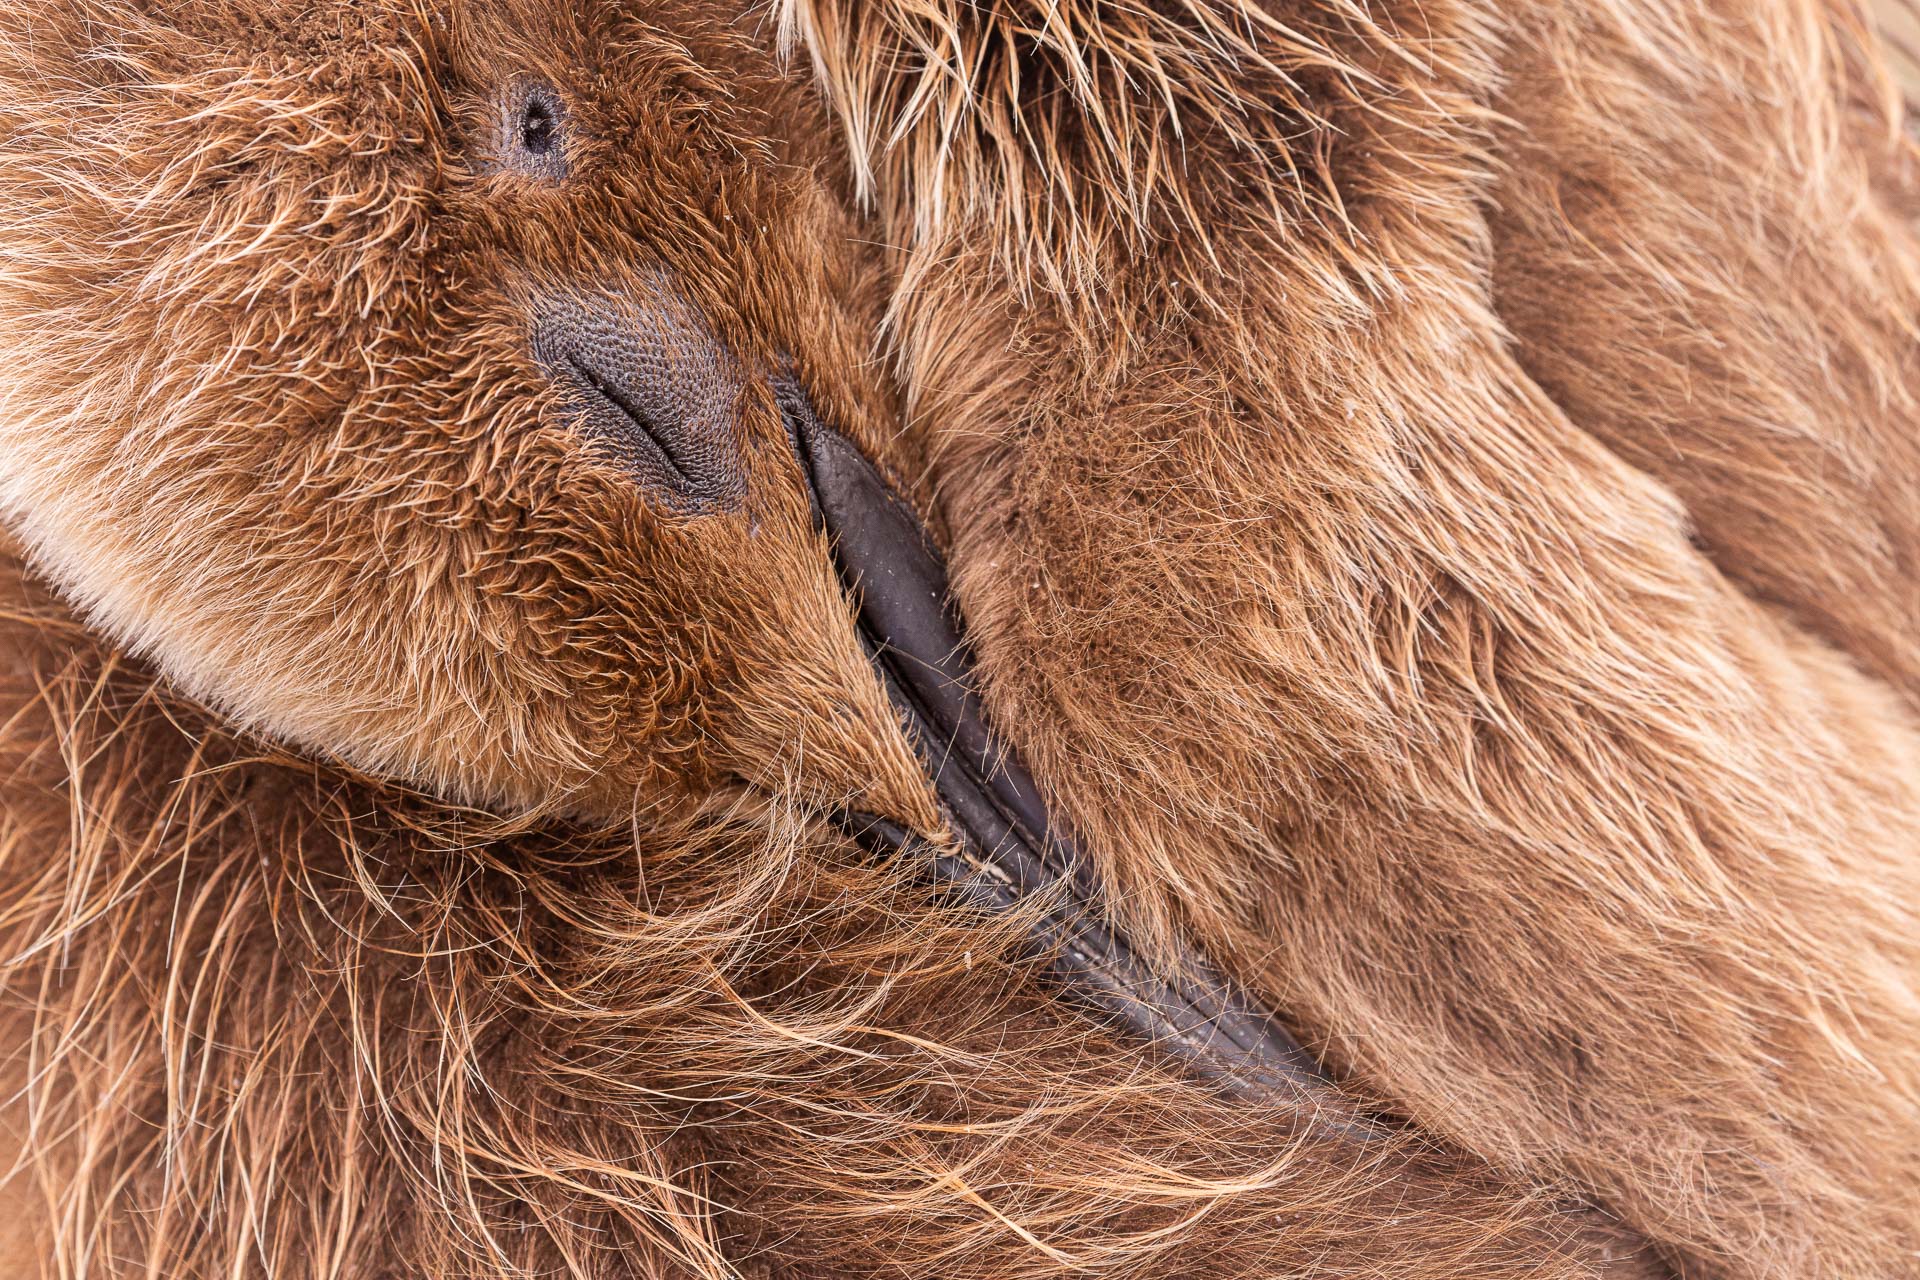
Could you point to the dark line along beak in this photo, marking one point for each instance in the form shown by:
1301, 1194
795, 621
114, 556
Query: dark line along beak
1007, 847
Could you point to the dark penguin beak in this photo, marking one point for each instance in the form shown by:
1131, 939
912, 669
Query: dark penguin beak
1005, 848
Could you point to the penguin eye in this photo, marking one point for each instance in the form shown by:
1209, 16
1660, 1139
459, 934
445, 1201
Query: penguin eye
533, 129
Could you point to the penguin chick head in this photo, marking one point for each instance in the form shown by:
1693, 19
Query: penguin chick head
401, 381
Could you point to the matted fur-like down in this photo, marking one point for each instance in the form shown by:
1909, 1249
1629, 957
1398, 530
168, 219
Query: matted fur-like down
1348, 426
1459, 554
286, 1021
275, 428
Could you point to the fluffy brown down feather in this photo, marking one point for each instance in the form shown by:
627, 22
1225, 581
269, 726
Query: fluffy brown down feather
1463, 565
1353, 431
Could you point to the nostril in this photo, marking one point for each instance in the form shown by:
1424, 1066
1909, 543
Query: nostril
538, 127
652, 385
531, 131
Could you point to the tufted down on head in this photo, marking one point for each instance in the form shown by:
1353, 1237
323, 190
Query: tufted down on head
320, 397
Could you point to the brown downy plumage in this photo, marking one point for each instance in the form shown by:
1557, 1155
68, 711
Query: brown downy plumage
1438, 489
409, 802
